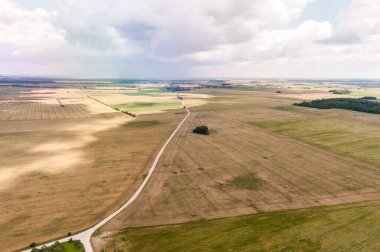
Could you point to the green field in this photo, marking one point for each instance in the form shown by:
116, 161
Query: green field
145, 92
131, 107
348, 138
73, 246
352, 227
361, 93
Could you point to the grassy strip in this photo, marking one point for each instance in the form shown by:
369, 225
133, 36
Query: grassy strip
317, 229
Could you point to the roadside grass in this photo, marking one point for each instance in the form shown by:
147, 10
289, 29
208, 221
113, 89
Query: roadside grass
354, 139
333, 228
70, 246
131, 107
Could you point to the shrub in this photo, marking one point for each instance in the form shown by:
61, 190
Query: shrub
32, 245
77, 243
201, 130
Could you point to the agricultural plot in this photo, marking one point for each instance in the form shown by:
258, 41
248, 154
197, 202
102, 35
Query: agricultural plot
146, 92
67, 172
345, 133
24, 110
353, 227
71, 160
147, 106
145, 103
51, 104
364, 92
241, 169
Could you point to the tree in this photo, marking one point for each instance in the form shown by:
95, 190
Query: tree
203, 130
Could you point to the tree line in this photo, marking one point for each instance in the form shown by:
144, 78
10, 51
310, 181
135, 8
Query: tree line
362, 105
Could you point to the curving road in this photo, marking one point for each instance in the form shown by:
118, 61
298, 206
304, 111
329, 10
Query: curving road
85, 236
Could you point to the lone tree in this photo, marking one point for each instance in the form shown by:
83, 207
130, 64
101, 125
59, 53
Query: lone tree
201, 130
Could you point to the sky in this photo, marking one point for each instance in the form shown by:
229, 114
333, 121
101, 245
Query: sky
178, 39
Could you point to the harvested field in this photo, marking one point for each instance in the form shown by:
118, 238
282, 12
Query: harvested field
52, 104
206, 176
259, 158
69, 161
241, 168
24, 110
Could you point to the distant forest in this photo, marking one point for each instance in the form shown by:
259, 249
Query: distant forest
362, 105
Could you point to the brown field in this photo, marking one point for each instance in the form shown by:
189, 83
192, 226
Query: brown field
243, 169
64, 168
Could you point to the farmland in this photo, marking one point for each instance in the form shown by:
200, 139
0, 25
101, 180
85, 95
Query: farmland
135, 107
351, 134
352, 227
256, 162
298, 175
66, 165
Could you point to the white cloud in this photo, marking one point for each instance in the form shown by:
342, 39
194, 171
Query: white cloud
28, 31
175, 38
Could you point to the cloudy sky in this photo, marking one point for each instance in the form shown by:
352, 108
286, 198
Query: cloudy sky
191, 39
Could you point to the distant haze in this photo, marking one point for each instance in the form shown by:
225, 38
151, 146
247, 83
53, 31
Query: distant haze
191, 39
